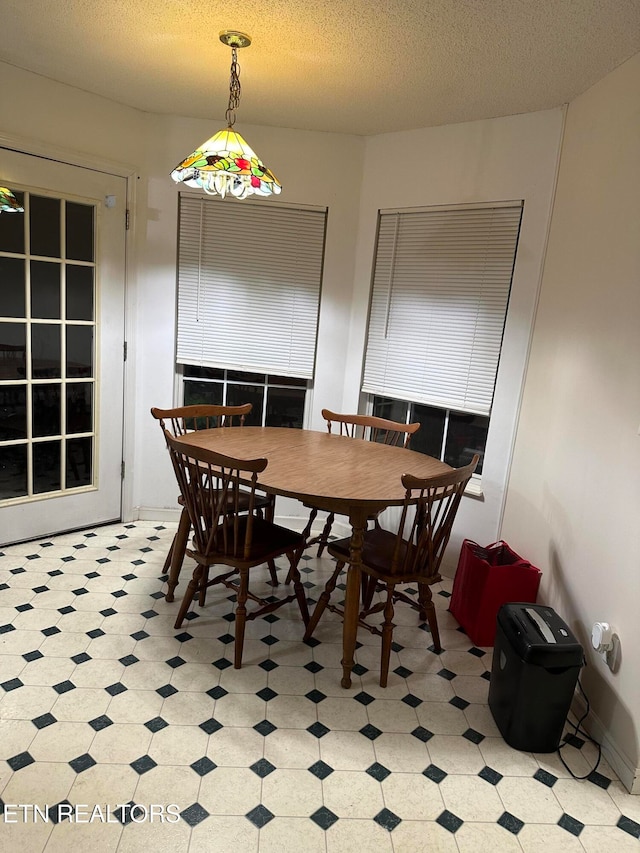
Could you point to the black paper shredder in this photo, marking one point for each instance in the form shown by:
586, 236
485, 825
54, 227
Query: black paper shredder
536, 663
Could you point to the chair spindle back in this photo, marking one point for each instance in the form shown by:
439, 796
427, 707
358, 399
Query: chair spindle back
190, 418
425, 526
220, 512
371, 428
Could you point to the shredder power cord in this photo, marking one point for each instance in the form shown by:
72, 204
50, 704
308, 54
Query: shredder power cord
578, 728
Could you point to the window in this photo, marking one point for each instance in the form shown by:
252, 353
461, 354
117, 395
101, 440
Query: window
441, 284
249, 278
277, 400
451, 436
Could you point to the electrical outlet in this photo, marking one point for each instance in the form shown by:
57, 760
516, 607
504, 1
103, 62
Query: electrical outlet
613, 655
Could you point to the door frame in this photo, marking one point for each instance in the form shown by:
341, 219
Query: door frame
24, 145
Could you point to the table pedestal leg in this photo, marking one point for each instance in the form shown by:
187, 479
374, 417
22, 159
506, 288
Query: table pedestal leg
352, 596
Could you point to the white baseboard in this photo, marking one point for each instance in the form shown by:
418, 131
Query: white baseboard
154, 513
294, 522
620, 762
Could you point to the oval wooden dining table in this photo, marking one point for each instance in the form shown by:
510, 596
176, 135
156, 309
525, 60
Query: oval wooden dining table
330, 472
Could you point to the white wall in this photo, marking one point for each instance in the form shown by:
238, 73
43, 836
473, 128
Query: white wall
500, 159
35, 108
573, 502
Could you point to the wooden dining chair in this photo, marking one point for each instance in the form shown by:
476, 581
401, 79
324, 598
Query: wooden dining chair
366, 427
228, 531
410, 555
188, 419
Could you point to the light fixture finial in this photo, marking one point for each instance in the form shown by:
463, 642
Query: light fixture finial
234, 38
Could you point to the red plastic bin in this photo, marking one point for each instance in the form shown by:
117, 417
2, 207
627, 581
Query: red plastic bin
487, 578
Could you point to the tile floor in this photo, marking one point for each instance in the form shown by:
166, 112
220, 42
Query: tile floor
103, 703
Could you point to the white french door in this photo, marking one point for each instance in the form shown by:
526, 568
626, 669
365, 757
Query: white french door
62, 281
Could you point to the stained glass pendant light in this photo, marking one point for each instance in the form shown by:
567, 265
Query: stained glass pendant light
8, 202
225, 163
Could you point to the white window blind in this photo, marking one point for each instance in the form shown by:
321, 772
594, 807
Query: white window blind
249, 286
438, 306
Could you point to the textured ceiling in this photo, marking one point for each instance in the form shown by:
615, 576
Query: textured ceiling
354, 66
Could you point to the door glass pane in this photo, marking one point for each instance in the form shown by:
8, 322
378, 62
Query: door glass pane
44, 226
46, 467
45, 351
202, 393
79, 231
13, 471
79, 292
12, 229
46, 409
467, 434
285, 407
79, 407
12, 291
428, 439
79, 351
237, 395
13, 342
45, 290
78, 468
13, 412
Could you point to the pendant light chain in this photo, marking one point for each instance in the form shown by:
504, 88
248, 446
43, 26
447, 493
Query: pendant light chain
234, 89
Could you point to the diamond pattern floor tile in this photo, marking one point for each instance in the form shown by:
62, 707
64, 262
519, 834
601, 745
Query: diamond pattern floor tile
103, 701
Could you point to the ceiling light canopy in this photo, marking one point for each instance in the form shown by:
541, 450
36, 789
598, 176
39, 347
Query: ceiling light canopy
8, 202
225, 163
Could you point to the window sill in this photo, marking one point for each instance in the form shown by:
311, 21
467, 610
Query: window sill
474, 489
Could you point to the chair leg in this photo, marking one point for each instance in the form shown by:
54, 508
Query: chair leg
428, 612
305, 536
273, 574
199, 574
299, 590
387, 636
167, 561
309, 524
323, 601
369, 585
202, 593
270, 510
241, 616
269, 514
324, 536
178, 547
297, 556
